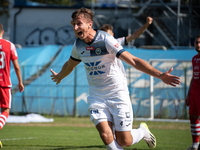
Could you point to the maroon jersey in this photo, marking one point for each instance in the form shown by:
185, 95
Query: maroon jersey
196, 74
7, 53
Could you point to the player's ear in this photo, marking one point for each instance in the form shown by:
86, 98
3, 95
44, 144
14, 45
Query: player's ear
90, 24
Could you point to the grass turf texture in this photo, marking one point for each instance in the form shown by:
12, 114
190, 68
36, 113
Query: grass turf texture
80, 134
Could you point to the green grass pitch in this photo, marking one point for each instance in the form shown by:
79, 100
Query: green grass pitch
80, 134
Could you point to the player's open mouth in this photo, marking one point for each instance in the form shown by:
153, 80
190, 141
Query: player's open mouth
80, 33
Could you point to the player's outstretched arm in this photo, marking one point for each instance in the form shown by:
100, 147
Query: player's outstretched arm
145, 67
67, 68
139, 31
18, 73
169, 79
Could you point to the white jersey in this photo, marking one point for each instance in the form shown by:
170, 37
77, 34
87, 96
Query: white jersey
105, 71
121, 41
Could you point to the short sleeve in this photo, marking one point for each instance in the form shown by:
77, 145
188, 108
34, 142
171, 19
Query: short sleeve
14, 55
113, 46
74, 54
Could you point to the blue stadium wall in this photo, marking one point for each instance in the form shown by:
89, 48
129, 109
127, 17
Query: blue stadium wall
43, 96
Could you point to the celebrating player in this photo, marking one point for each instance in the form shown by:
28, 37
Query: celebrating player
7, 53
109, 102
124, 40
193, 100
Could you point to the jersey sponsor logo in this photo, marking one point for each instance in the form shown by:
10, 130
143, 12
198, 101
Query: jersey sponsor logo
196, 67
0, 46
196, 60
94, 111
94, 68
117, 45
90, 48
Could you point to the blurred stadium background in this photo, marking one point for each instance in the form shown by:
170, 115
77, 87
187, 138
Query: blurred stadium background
43, 36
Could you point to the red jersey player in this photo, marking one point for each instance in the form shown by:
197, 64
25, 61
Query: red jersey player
193, 97
8, 53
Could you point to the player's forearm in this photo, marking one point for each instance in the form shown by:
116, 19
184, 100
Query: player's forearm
17, 70
140, 64
18, 73
147, 68
190, 87
65, 71
141, 30
137, 33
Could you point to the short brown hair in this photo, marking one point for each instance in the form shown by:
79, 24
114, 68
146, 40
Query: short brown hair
88, 14
1, 27
106, 27
198, 36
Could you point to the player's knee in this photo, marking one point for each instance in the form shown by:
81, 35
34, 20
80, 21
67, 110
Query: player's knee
124, 142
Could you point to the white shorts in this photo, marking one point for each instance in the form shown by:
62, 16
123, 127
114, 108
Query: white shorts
118, 111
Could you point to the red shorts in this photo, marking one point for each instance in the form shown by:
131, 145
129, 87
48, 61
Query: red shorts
194, 104
5, 97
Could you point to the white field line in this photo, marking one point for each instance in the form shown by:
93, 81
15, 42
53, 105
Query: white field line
18, 139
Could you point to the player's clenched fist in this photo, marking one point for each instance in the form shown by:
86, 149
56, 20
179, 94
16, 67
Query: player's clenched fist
149, 20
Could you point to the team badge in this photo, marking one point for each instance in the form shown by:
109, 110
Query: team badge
127, 114
98, 51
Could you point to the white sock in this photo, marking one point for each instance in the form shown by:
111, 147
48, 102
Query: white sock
114, 146
195, 145
137, 135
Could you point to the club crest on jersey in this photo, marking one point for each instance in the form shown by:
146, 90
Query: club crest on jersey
127, 114
90, 48
98, 51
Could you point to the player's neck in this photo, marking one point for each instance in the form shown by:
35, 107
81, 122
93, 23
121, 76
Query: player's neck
90, 36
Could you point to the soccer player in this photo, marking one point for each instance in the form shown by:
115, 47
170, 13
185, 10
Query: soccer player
193, 98
124, 40
109, 102
7, 53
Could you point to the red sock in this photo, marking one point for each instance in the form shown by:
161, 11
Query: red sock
3, 118
195, 129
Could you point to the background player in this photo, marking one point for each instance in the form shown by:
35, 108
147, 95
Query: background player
124, 40
7, 53
109, 101
193, 97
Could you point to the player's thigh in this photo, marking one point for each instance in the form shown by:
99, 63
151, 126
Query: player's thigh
6, 97
122, 113
197, 102
98, 110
